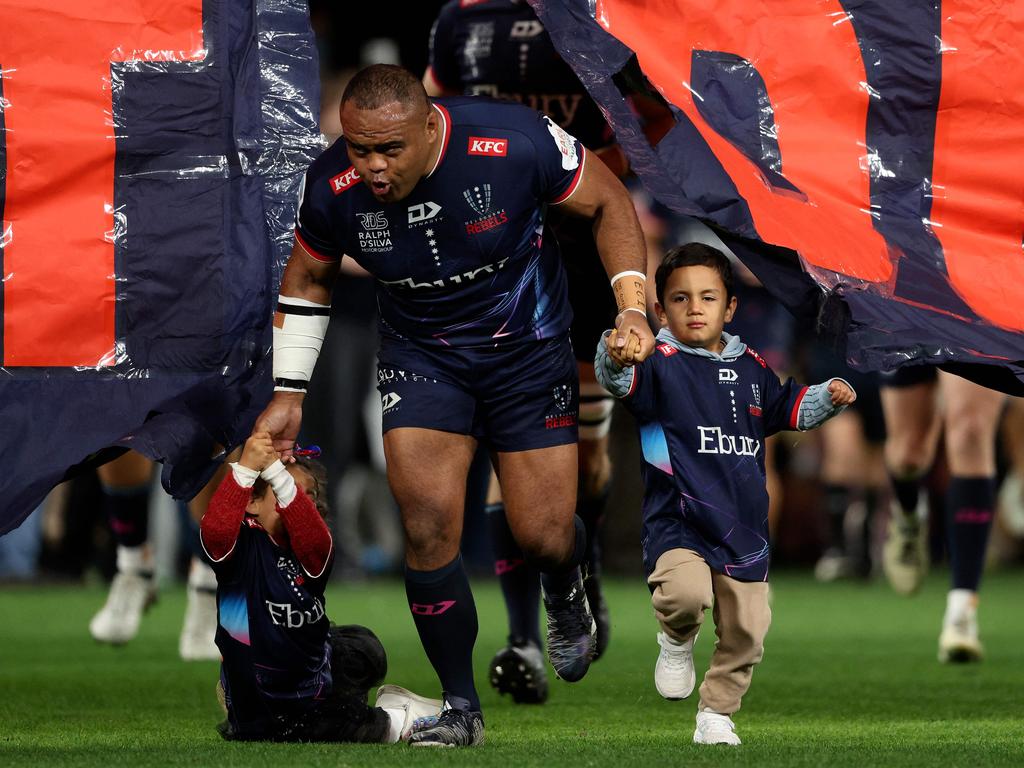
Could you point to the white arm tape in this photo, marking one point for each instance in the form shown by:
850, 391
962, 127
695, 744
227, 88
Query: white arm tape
281, 483
628, 273
298, 341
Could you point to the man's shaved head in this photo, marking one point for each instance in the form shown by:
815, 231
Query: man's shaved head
378, 85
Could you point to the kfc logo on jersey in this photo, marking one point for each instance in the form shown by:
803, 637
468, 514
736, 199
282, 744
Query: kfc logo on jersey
489, 147
727, 375
667, 350
525, 29
344, 180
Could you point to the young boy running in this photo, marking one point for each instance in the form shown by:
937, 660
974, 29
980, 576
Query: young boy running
704, 403
287, 673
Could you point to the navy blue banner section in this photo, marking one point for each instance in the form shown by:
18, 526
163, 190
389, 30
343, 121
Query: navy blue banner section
830, 146
209, 147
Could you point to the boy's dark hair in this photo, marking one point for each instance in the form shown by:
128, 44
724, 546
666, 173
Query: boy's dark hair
381, 84
693, 255
317, 493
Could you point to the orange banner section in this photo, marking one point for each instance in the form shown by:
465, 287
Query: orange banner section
58, 248
978, 180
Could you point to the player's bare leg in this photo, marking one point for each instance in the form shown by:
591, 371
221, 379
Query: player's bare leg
540, 499
970, 418
427, 472
912, 426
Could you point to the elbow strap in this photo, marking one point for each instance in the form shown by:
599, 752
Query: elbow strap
298, 341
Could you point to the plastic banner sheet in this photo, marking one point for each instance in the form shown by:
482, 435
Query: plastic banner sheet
862, 157
150, 154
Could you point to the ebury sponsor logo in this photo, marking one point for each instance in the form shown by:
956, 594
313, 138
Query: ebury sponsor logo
479, 145
287, 615
714, 440
344, 180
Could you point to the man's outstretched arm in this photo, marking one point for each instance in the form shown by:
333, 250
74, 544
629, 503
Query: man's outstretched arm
300, 324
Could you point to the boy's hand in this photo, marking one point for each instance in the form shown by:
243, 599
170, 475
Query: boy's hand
623, 348
258, 453
841, 393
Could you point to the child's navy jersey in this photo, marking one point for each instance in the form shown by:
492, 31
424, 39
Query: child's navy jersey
702, 420
271, 630
461, 261
498, 48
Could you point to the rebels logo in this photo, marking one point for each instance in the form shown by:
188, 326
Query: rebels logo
344, 180
491, 147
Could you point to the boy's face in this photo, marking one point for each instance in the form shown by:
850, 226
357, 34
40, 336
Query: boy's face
696, 308
264, 508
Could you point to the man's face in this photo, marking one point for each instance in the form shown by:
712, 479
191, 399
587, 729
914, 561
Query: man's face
696, 308
390, 147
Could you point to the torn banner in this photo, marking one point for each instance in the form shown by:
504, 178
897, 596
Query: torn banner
862, 157
150, 154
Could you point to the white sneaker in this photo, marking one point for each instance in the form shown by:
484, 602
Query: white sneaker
118, 620
959, 639
200, 627
674, 676
405, 708
713, 728
905, 553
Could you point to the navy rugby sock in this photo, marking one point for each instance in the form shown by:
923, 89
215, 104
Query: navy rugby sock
907, 491
970, 505
128, 512
445, 615
519, 580
837, 501
590, 510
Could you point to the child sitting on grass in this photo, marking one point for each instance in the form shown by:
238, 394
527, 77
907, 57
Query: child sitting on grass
287, 674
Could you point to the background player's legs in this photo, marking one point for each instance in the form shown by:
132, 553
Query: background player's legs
595, 474
540, 496
518, 668
427, 473
680, 594
970, 417
199, 628
912, 433
125, 482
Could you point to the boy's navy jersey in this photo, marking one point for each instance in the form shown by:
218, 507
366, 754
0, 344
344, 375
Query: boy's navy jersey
702, 422
461, 261
498, 48
271, 631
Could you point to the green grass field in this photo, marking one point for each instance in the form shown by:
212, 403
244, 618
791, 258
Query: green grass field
849, 678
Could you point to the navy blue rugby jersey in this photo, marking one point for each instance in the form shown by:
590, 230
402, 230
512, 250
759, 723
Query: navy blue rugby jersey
499, 48
271, 629
703, 419
462, 260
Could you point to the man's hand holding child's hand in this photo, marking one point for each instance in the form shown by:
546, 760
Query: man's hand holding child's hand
258, 453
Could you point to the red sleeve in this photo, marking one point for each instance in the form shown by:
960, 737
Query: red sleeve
218, 530
310, 540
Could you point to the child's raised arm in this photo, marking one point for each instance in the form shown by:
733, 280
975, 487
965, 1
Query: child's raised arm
310, 539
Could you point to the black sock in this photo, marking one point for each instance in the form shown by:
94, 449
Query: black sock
519, 580
561, 581
445, 615
907, 491
128, 512
590, 510
970, 505
837, 501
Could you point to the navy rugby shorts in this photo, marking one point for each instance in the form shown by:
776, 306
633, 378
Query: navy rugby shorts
514, 398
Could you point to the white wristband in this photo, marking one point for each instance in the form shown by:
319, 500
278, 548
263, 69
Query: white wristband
633, 309
628, 273
244, 476
298, 341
